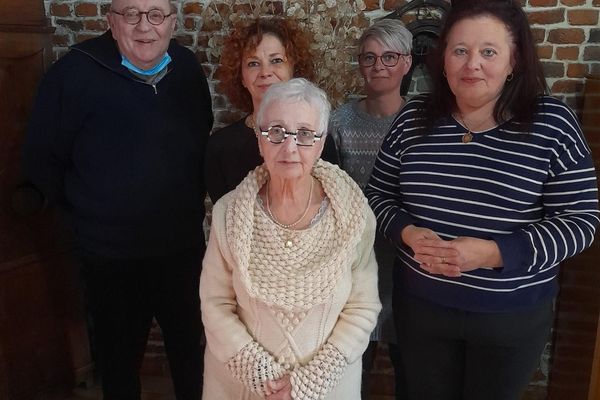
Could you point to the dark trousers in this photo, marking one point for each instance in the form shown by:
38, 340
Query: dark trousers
123, 295
451, 354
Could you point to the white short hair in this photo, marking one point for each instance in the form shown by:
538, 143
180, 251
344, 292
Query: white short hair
295, 90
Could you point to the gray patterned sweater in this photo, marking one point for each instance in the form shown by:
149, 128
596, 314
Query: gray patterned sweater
358, 137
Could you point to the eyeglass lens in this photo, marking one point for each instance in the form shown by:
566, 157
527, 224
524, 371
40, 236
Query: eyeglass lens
133, 16
389, 59
303, 137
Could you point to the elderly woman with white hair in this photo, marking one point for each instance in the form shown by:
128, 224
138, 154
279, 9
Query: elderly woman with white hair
289, 281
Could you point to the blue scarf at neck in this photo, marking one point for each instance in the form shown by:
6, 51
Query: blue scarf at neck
148, 72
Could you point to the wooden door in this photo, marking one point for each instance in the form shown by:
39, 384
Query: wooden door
594, 390
43, 338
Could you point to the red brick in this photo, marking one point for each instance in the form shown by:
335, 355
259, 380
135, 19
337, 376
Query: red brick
572, 2
566, 36
212, 25
95, 25
545, 52
591, 53
547, 17
223, 9
242, 9
192, 8
553, 69
60, 40
567, 53
577, 70
542, 3
539, 34
390, 5
86, 10
583, 17
189, 24
371, 5
60, 10
202, 39
567, 86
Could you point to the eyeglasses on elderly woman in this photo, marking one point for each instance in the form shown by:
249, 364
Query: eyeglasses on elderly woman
302, 137
133, 16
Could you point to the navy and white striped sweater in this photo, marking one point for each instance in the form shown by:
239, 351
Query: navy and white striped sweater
534, 193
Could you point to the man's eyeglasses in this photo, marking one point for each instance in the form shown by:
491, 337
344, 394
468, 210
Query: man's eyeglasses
134, 16
302, 137
389, 59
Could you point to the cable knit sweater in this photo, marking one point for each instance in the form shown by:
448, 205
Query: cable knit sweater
305, 310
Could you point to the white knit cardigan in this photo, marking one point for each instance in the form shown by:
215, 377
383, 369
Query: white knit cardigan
294, 304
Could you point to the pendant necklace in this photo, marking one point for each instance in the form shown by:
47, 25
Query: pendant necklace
289, 243
468, 136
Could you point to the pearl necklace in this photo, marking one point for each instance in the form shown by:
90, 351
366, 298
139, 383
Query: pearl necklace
293, 224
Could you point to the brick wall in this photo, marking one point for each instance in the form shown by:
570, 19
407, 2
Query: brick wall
567, 32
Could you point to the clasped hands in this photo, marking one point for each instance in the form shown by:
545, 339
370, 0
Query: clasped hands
450, 257
280, 389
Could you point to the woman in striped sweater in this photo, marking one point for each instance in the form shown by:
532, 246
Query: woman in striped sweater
485, 185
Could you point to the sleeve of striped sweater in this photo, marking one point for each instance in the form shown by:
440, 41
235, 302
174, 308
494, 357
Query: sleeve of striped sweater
570, 201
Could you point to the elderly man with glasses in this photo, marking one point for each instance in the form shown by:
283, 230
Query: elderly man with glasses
117, 140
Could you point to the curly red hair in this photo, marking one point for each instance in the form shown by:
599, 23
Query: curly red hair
244, 38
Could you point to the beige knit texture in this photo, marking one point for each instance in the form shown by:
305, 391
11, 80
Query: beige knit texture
316, 379
299, 277
254, 366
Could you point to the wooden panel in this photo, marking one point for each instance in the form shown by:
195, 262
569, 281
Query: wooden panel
594, 392
578, 306
43, 337
33, 337
22, 12
23, 59
591, 118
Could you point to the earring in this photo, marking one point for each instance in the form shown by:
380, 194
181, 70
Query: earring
444, 73
510, 77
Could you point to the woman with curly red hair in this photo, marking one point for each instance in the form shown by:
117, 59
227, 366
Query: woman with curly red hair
257, 54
